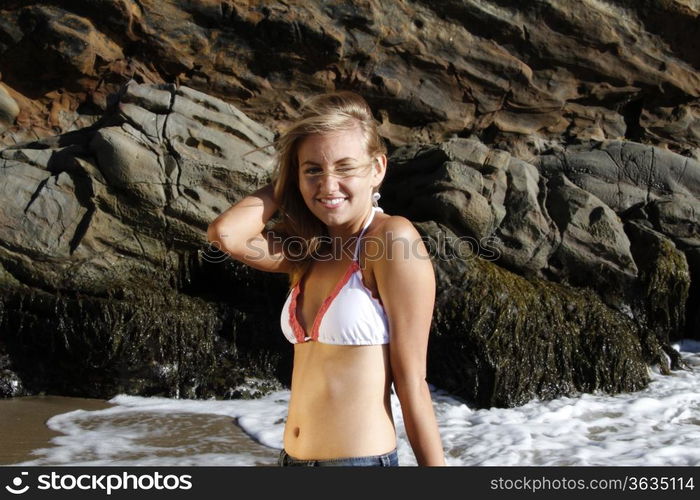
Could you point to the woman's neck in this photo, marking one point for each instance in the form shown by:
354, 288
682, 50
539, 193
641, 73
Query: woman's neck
350, 230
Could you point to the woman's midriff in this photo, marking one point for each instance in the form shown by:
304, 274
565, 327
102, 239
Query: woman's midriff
340, 402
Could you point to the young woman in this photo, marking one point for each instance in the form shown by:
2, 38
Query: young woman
362, 290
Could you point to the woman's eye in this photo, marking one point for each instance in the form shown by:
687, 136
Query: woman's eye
340, 170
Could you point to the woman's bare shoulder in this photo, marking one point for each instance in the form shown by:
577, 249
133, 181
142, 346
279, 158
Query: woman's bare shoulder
392, 233
394, 225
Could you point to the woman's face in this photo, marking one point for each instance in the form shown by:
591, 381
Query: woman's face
334, 199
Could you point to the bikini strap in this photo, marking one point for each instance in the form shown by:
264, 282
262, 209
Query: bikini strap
369, 221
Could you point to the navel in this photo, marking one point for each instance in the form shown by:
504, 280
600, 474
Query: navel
296, 432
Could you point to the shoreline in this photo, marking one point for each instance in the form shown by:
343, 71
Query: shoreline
23, 421
25, 431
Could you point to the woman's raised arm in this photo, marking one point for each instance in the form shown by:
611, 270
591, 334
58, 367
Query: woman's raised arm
239, 232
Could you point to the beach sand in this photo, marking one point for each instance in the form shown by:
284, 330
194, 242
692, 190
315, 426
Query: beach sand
23, 423
24, 429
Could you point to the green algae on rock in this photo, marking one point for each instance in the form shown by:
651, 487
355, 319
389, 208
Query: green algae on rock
147, 341
499, 339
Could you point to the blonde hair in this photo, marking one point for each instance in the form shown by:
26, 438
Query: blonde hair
321, 114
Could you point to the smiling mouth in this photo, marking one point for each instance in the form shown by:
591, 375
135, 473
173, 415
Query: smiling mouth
331, 202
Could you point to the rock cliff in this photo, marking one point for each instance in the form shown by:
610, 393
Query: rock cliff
511, 72
547, 149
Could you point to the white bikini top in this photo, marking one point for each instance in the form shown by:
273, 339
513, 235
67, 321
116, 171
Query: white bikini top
350, 315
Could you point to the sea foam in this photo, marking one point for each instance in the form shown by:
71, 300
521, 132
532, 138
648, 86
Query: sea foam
659, 425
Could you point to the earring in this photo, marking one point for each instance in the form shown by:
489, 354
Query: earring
375, 199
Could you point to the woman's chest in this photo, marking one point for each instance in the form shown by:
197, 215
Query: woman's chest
323, 282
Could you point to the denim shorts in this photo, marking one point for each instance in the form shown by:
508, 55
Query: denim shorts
390, 459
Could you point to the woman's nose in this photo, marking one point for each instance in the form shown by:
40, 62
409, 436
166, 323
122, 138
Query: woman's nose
328, 181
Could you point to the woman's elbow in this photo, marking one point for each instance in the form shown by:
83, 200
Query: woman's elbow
213, 233
218, 238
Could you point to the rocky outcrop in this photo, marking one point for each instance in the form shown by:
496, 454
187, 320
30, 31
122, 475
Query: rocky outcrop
499, 339
655, 193
546, 287
551, 222
143, 184
517, 74
99, 231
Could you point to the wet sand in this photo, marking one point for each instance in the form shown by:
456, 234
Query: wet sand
23, 423
24, 429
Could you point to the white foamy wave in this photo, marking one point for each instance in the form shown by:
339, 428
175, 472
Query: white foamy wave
162, 431
659, 425
688, 346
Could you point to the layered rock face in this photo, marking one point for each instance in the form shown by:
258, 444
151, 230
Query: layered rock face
512, 72
532, 145
543, 288
582, 261
100, 229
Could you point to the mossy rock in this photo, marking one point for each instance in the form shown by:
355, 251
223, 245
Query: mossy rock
147, 341
499, 339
